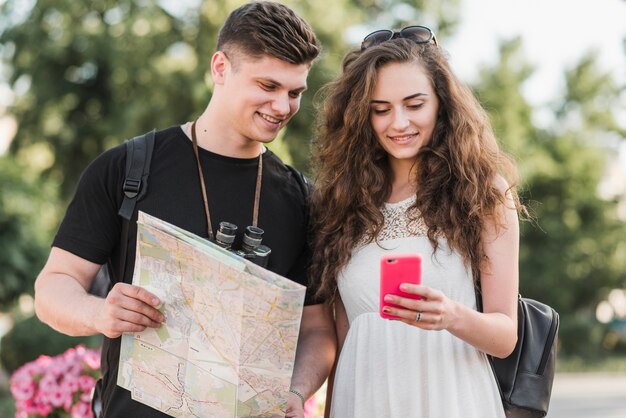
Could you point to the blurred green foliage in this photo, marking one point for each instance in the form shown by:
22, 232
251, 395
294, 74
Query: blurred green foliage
88, 75
29, 338
7, 404
91, 74
573, 252
28, 215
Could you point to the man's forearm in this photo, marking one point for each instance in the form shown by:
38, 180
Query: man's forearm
64, 305
314, 360
316, 350
61, 298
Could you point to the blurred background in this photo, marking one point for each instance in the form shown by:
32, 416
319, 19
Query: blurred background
78, 77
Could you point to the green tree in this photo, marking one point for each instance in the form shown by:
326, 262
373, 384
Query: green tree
90, 74
27, 216
583, 226
499, 90
441, 16
573, 253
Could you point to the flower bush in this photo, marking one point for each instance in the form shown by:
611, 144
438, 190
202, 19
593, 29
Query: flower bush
58, 387
314, 406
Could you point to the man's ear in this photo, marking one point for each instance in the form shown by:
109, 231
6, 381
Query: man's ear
219, 66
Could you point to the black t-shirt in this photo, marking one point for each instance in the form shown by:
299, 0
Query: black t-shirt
91, 228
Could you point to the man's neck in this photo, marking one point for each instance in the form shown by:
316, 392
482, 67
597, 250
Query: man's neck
214, 134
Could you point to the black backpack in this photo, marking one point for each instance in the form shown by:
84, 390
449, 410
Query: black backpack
525, 377
138, 158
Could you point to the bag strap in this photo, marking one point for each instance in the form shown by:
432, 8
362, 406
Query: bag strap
138, 158
304, 183
307, 189
479, 299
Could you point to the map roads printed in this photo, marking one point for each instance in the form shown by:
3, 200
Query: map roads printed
227, 347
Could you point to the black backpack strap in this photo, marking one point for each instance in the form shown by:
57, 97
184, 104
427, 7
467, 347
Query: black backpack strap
138, 158
305, 184
306, 187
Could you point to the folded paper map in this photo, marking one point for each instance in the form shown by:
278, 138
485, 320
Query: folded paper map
227, 346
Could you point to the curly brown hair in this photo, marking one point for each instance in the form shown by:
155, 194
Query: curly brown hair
455, 171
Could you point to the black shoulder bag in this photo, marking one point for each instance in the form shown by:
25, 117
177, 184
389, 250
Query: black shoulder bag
525, 377
138, 157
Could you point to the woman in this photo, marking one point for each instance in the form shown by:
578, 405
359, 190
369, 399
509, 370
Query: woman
407, 162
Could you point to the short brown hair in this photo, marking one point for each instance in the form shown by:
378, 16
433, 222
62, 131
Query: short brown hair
267, 28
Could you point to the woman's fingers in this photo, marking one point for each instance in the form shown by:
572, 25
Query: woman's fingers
425, 313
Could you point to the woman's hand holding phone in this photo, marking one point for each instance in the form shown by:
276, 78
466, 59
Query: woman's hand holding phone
396, 269
403, 297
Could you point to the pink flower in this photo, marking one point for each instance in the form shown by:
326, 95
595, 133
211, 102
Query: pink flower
75, 368
43, 410
81, 410
22, 389
315, 405
48, 383
85, 383
92, 360
57, 398
86, 397
310, 407
56, 386
71, 383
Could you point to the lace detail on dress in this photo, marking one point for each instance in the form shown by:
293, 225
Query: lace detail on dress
398, 223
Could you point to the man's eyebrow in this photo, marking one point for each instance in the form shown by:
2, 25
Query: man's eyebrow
412, 96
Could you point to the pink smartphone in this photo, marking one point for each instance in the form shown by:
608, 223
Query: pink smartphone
396, 269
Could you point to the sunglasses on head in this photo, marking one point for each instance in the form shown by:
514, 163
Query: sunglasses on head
418, 34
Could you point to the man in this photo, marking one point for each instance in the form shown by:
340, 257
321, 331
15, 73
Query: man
264, 55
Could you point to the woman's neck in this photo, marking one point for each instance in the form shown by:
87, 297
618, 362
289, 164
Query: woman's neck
401, 189
403, 183
400, 193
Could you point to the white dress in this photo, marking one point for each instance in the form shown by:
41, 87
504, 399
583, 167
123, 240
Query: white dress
388, 369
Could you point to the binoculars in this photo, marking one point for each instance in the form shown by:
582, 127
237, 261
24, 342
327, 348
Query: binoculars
251, 247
